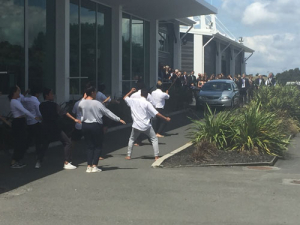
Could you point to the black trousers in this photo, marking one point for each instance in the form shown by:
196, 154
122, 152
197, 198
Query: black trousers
19, 135
51, 134
34, 132
93, 136
160, 123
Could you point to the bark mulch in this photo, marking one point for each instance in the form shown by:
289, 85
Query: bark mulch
184, 158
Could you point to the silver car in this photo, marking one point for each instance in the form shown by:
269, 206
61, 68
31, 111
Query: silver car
218, 93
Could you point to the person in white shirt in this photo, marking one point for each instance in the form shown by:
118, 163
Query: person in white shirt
159, 99
141, 112
92, 112
19, 126
34, 127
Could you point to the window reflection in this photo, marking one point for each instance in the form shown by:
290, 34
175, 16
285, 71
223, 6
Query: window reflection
90, 44
12, 55
135, 40
41, 41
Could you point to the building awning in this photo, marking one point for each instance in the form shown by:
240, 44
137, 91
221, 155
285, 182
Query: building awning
164, 9
227, 40
186, 21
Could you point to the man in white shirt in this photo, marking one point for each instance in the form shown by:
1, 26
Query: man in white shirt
32, 104
141, 112
159, 99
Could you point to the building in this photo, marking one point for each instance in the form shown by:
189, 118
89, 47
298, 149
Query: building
62, 44
208, 46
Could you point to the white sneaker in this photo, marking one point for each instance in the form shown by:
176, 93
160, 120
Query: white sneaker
95, 170
38, 165
88, 169
69, 166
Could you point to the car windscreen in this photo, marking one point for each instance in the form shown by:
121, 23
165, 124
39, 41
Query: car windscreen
216, 86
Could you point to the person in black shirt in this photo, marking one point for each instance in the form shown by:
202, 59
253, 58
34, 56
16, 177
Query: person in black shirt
51, 127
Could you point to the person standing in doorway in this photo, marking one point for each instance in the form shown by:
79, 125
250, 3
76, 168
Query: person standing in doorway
142, 111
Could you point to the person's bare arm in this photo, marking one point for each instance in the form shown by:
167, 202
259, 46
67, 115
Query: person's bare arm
72, 118
5, 121
168, 119
129, 93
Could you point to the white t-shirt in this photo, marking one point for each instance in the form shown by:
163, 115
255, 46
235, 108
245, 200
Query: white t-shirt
32, 105
141, 112
78, 114
159, 98
101, 97
138, 95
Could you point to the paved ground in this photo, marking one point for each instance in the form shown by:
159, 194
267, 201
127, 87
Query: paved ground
130, 192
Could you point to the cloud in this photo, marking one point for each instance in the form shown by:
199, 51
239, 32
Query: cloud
275, 52
258, 12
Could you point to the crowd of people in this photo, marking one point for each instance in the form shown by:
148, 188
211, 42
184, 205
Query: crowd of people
42, 122
189, 81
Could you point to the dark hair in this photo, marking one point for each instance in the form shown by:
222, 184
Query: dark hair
140, 85
144, 92
35, 90
46, 92
101, 87
159, 85
90, 90
12, 90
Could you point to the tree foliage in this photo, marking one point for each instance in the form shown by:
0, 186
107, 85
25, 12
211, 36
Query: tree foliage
288, 75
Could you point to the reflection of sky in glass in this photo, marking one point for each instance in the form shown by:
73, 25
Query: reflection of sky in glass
36, 19
138, 32
87, 13
12, 22
125, 29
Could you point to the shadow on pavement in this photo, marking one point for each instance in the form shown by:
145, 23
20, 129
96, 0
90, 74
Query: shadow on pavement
11, 179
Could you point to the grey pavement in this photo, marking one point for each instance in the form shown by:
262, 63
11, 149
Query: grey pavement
131, 192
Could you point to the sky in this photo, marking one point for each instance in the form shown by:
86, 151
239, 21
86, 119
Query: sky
270, 27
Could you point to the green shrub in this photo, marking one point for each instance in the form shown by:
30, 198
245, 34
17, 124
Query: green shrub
259, 130
214, 128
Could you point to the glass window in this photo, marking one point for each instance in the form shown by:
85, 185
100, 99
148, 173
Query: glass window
12, 54
41, 43
104, 46
90, 45
74, 46
88, 41
136, 51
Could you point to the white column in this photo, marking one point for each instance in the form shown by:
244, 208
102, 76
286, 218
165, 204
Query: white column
116, 51
62, 61
232, 62
198, 54
177, 47
218, 58
153, 52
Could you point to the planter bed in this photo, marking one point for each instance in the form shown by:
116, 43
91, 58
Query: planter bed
221, 158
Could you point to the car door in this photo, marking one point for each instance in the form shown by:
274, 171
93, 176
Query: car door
236, 94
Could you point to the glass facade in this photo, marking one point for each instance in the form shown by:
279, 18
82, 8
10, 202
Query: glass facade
135, 51
12, 51
90, 45
41, 43
36, 56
